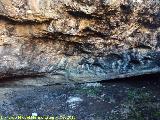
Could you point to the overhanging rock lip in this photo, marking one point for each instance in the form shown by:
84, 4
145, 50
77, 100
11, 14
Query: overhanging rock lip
115, 76
78, 79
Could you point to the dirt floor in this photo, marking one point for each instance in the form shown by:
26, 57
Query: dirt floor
132, 99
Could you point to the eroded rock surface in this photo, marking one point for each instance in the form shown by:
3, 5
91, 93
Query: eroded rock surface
79, 40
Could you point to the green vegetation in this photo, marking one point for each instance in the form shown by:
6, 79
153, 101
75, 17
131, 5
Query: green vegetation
90, 91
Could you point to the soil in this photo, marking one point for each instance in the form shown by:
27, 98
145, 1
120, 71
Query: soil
131, 99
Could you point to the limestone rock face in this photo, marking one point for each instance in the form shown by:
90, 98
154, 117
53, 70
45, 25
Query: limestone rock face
79, 40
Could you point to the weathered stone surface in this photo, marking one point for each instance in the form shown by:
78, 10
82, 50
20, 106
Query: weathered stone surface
79, 40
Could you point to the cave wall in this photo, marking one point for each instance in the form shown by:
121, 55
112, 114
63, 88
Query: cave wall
79, 40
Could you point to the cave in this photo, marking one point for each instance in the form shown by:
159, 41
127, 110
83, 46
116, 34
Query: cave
80, 59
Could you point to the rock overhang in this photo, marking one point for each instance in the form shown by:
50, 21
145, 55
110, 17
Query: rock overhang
79, 41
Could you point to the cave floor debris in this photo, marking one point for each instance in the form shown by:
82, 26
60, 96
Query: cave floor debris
133, 99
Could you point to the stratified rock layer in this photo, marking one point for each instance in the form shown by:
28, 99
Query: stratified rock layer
79, 40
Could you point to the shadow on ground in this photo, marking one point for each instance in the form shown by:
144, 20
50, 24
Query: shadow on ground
135, 98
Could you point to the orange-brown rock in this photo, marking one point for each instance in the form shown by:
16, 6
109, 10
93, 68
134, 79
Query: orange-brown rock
79, 40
